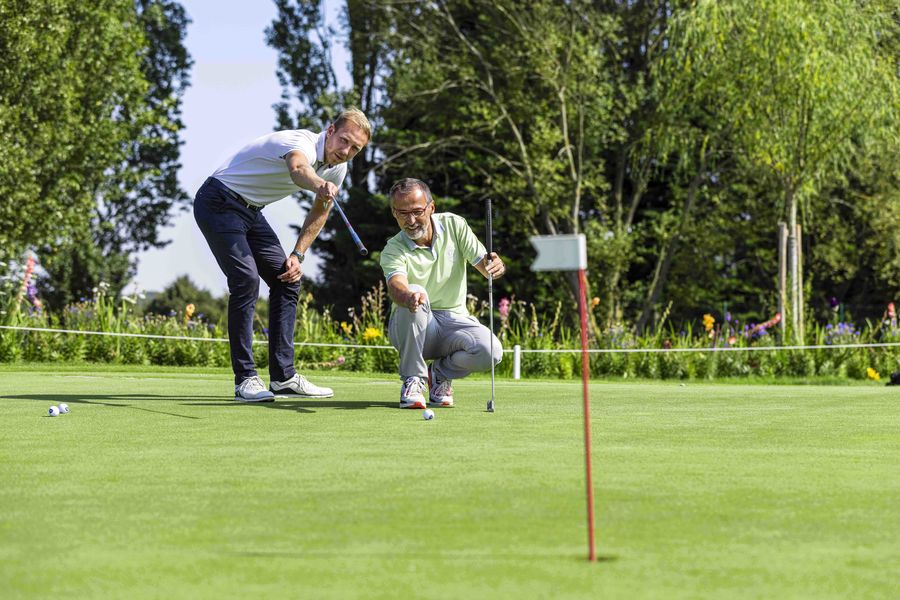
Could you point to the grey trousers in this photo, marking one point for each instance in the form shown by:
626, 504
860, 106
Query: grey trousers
458, 344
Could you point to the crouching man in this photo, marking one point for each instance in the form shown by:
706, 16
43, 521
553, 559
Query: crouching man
425, 268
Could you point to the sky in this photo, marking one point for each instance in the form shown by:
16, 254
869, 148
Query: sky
228, 104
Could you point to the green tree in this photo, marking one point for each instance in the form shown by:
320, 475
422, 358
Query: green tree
139, 191
803, 84
68, 69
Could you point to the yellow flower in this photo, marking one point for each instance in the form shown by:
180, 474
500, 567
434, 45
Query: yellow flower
708, 321
189, 311
371, 334
873, 374
346, 328
595, 301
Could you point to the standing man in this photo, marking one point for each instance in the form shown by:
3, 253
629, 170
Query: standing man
228, 209
425, 268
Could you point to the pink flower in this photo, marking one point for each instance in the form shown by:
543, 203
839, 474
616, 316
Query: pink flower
504, 308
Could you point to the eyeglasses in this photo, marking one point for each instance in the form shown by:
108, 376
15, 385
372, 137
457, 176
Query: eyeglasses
415, 214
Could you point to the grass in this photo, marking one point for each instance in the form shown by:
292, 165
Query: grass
157, 485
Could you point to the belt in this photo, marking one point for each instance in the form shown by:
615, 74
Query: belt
212, 181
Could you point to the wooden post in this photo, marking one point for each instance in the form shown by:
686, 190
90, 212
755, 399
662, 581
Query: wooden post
800, 304
782, 277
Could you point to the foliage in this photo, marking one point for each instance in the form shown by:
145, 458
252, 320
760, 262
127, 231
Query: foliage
139, 189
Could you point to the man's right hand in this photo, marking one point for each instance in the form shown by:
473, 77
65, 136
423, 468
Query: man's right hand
327, 190
414, 300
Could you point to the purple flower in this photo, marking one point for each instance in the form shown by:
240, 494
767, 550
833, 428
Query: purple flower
834, 302
728, 317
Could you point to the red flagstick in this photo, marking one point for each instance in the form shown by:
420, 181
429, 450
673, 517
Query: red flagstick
585, 377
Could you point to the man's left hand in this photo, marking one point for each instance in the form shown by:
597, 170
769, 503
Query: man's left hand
293, 272
495, 266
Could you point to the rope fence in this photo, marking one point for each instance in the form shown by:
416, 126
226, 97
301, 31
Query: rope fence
518, 351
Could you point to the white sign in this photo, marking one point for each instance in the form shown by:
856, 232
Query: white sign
559, 252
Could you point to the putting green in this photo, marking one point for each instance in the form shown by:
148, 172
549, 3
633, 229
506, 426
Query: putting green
158, 485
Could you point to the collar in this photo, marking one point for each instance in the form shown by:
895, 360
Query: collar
320, 150
436, 227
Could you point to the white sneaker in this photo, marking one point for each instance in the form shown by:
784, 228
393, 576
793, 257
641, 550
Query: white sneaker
441, 394
252, 389
298, 385
412, 394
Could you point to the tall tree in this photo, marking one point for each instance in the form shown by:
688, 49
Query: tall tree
140, 190
804, 83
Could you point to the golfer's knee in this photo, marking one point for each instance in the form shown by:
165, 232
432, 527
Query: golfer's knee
244, 288
483, 354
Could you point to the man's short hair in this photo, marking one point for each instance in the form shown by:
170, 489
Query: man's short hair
410, 184
357, 117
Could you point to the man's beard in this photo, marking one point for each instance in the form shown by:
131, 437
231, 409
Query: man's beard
417, 233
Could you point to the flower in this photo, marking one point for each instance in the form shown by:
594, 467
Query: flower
872, 374
371, 334
834, 303
595, 302
708, 322
188, 311
504, 308
345, 327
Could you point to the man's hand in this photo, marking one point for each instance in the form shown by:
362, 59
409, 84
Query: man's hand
328, 191
494, 265
414, 300
293, 272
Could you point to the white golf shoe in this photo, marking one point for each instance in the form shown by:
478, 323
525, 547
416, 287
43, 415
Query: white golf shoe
252, 389
412, 394
300, 386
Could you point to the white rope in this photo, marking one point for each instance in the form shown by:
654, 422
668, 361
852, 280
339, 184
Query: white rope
712, 349
180, 338
523, 350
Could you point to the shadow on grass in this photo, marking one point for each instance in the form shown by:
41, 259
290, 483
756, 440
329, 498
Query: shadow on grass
462, 556
104, 400
305, 405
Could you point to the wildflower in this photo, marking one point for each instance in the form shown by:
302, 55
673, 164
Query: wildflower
371, 334
595, 302
188, 311
872, 374
728, 317
345, 327
504, 308
834, 303
708, 322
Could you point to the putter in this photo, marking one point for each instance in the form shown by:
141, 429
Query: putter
356, 240
490, 249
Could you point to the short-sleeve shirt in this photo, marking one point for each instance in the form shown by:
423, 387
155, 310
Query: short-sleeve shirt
439, 268
259, 173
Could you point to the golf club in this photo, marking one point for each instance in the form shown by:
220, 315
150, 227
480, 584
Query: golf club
356, 240
490, 249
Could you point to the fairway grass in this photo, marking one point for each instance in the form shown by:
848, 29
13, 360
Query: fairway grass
158, 485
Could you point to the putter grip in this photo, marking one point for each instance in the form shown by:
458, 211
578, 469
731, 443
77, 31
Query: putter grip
489, 228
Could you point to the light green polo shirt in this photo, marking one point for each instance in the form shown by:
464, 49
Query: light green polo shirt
440, 268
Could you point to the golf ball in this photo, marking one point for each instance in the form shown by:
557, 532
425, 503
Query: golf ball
54, 411
63, 408
428, 414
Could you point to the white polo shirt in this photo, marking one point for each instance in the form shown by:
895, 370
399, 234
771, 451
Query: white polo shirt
258, 171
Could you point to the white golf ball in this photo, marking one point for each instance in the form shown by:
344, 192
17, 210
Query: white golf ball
63, 408
428, 414
54, 411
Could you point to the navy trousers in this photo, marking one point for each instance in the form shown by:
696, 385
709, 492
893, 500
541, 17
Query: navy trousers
246, 248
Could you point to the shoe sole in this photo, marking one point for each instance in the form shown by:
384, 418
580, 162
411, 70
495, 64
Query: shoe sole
286, 394
441, 404
253, 400
413, 405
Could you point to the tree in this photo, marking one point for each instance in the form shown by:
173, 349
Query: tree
803, 84
139, 191
68, 69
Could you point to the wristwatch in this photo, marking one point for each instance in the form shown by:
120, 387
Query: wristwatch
299, 255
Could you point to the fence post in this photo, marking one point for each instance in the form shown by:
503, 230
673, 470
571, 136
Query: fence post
517, 361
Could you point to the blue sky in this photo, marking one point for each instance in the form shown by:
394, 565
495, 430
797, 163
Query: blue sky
229, 103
